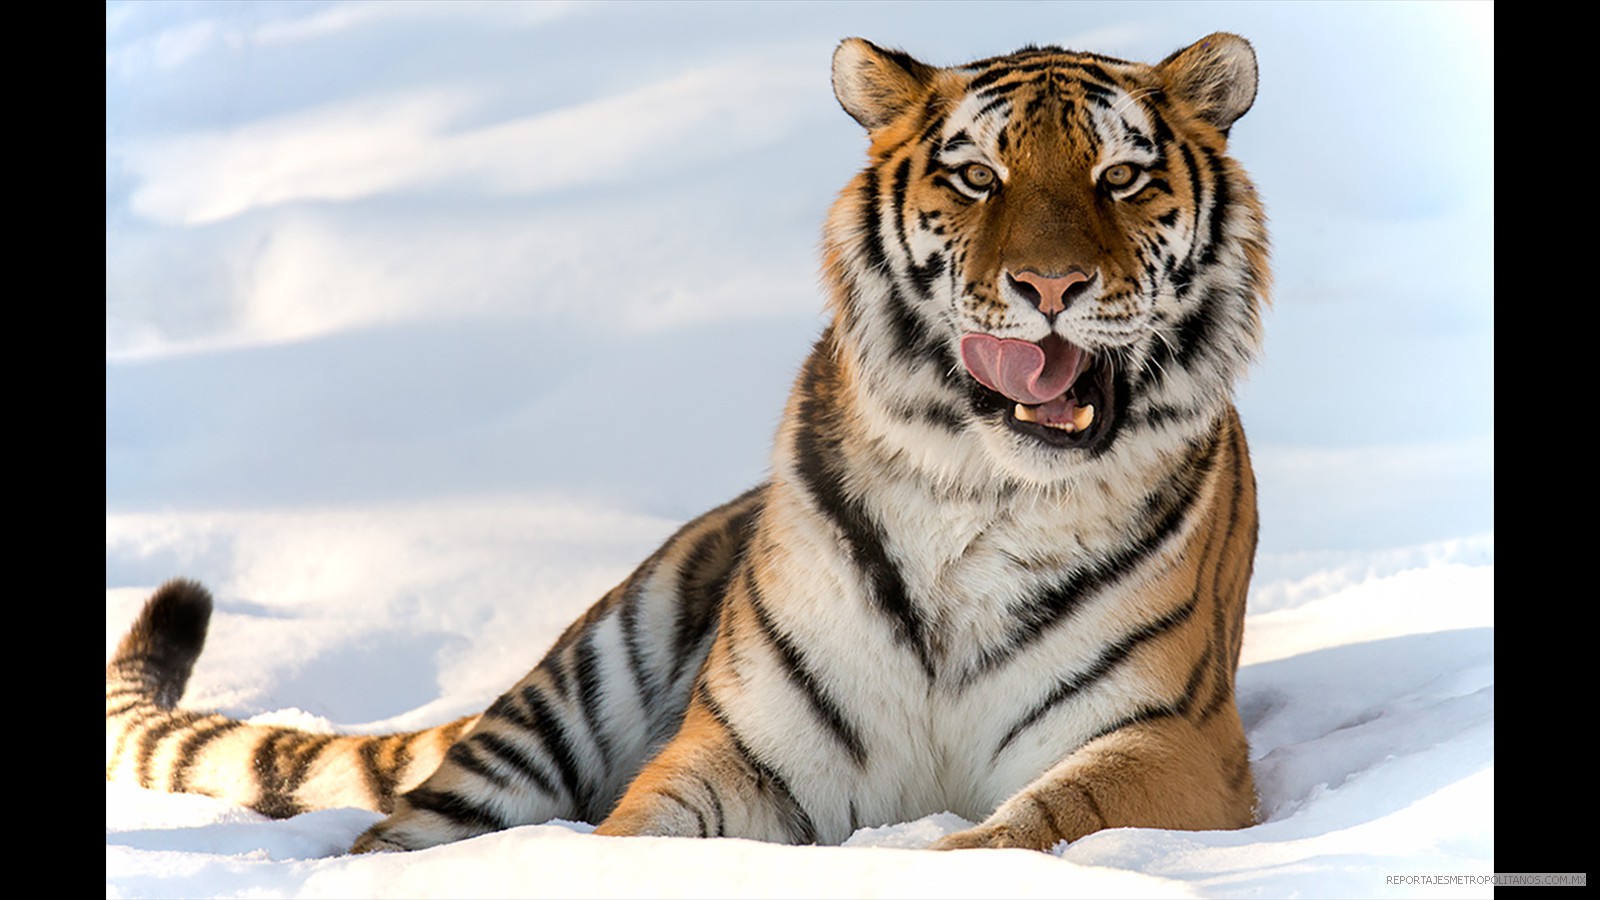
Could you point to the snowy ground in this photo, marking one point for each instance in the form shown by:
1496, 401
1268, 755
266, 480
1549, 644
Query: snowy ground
369, 264
1367, 690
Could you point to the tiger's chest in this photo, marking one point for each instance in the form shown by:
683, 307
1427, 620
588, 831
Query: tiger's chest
1012, 614
987, 622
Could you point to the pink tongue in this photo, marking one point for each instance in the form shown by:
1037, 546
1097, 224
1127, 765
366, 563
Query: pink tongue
1022, 370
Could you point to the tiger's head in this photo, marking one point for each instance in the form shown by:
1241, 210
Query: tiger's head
1049, 249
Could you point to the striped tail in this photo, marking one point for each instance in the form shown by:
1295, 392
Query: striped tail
277, 771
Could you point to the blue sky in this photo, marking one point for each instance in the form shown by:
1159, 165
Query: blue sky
366, 253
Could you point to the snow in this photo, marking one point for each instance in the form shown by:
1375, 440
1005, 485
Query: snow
369, 266
1369, 706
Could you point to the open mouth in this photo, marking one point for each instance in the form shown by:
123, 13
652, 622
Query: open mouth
1053, 391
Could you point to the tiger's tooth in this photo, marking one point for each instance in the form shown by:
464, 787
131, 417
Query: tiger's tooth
1082, 418
1025, 413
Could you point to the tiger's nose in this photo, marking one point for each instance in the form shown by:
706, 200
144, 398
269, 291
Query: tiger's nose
1050, 294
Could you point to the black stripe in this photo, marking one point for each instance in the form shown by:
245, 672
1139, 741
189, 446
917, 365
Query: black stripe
124, 709
1006, 67
1049, 816
1197, 329
942, 415
1145, 714
1196, 195
505, 707
1158, 184
557, 672
703, 580
189, 751
677, 798
553, 733
128, 733
1218, 205
590, 682
913, 341
514, 756
1224, 536
1208, 657
461, 754
1068, 108
932, 413
1186, 702
1161, 415
873, 240
136, 691
1099, 85
279, 787
1089, 801
819, 463
151, 739
1000, 96
384, 779
1244, 497
1154, 712
690, 609
789, 808
388, 779
271, 800
457, 809
629, 616
1168, 507
1033, 110
716, 805
800, 675
922, 276
1107, 661
378, 781
931, 123
928, 122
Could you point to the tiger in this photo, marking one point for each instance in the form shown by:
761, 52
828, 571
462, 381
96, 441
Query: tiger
998, 567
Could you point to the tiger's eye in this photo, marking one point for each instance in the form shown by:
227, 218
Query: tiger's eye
978, 176
1120, 175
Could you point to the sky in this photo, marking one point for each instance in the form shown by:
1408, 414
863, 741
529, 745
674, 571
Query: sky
425, 320
367, 252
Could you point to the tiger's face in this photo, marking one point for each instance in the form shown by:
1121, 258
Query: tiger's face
1063, 233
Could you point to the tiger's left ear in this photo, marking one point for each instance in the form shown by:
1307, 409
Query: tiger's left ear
1215, 75
875, 86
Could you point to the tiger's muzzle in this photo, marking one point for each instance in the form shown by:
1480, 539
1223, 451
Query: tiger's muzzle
1052, 390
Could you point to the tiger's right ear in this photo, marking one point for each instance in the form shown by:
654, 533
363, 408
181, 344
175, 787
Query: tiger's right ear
875, 85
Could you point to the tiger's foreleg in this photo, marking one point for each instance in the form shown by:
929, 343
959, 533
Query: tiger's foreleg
707, 783
736, 762
1168, 772
1183, 764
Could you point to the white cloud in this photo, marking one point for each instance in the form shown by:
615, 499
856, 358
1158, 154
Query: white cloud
376, 145
267, 24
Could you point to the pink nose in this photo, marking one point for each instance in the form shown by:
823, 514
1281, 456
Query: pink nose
1047, 292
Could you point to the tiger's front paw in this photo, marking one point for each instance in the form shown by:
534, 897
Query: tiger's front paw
654, 820
371, 841
992, 837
